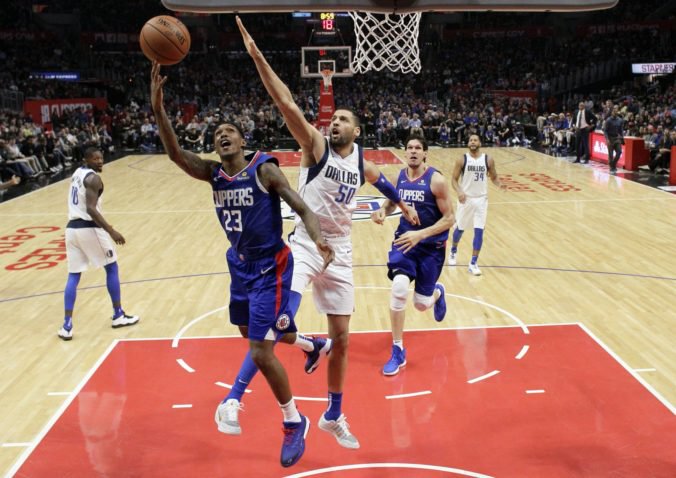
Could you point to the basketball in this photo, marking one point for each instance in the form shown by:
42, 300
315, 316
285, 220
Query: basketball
165, 40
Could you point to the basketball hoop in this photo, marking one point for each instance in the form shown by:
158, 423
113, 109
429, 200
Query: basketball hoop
387, 40
326, 78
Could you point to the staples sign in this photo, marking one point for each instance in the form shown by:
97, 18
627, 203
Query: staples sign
652, 68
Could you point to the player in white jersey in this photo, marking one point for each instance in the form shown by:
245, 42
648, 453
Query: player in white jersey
332, 170
89, 241
470, 181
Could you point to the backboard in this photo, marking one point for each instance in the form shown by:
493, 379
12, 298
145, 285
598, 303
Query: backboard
314, 59
385, 6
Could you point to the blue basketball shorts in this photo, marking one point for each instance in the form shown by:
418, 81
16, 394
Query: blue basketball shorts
259, 294
422, 264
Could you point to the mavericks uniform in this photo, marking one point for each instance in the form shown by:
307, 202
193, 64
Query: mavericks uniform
260, 264
86, 243
474, 182
329, 189
425, 261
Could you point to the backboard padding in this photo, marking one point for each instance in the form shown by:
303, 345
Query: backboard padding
384, 6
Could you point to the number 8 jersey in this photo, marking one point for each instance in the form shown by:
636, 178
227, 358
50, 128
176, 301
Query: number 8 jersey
329, 189
474, 181
249, 214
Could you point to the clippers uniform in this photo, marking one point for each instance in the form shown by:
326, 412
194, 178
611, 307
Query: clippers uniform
422, 264
86, 243
474, 181
329, 189
260, 264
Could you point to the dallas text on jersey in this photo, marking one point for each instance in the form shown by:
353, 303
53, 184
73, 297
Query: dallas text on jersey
340, 176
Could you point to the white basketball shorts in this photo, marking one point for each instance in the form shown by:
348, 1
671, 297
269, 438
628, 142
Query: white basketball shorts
333, 288
88, 246
472, 214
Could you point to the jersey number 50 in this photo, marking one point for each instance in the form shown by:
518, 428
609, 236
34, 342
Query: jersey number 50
345, 194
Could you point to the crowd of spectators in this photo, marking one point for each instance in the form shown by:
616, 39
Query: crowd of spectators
458, 93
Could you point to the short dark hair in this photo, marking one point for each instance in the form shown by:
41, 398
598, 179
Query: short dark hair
234, 125
417, 137
355, 117
91, 151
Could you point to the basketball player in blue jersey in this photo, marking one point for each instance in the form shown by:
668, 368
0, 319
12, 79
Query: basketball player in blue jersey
332, 169
418, 251
246, 194
470, 181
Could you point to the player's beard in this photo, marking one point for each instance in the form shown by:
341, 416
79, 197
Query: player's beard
338, 141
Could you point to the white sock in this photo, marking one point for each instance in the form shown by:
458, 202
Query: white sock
399, 343
304, 343
290, 412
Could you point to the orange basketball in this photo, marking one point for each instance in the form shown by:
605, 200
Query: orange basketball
165, 39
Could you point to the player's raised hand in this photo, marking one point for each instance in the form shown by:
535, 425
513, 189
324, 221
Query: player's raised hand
156, 83
249, 42
326, 252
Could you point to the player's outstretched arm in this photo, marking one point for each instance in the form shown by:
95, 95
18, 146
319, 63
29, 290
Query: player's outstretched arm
380, 182
308, 137
274, 180
187, 161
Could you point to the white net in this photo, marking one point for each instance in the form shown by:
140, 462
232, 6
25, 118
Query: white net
326, 78
386, 41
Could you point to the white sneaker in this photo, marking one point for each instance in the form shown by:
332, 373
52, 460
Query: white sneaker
65, 334
340, 430
125, 320
452, 260
474, 269
227, 417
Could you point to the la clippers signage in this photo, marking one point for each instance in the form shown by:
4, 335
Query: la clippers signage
42, 110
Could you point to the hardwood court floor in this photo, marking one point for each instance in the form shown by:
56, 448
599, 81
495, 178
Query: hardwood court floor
566, 243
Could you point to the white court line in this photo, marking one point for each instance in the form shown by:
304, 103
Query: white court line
407, 395
467, 327
24, 456
182, 405
374, 331
415, 466
57, 394
523, 326
227, 385
174, 343
523, 351
645, 370
534, 391
484, 377
311, 399
16, 445
657, 395
564, 201
185, 366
